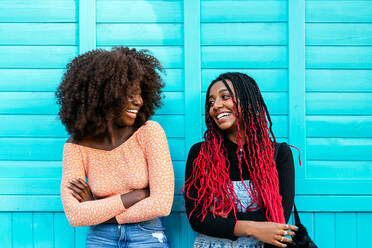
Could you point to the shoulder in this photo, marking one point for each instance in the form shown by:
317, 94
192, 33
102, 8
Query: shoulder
285, 157
284, 150
195, 149
151, 127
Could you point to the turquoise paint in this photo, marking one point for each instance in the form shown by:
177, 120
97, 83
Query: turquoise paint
312, 60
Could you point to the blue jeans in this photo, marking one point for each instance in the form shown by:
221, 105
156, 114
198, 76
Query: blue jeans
205, 241
144, 234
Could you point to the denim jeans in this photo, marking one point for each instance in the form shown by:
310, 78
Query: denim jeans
205, 241
144, 234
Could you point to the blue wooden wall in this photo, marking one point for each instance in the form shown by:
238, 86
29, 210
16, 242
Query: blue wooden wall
312, 60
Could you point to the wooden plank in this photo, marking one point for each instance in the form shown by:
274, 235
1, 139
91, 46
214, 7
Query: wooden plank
339, 169
172, 225
338, 149
325, 229
50, 149
49, 79
192, 60
87, 25
22, 230
244, 11
276, 102
43, 236
6, 230
318, 57
244, 57
174, 80
81, 236
296, 69
30, 169
338, 11
50, 126
341, 186
171, 57
363, 232
37, 11
222, 34
32, 126
338, 103
22, 57
37, 80
149, 34
24, 103
346, 230
63, 232
128, 11
339, 126
339, 34
38, 34
304, 203
339, 80
267, 79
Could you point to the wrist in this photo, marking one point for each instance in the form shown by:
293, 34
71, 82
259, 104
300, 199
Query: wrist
244, 228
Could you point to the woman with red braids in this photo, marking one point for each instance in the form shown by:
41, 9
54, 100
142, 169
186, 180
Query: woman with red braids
236, 194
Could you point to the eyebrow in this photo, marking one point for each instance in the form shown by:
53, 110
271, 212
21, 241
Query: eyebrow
222, 90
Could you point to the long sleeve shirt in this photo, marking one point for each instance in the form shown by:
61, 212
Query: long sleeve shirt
141, 161
224, 227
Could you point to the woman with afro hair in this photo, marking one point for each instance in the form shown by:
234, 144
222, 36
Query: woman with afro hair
106, 99
236, 193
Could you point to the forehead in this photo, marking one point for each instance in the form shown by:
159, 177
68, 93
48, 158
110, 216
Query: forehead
219, 86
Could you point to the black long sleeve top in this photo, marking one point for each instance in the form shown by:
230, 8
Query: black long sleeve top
224, 227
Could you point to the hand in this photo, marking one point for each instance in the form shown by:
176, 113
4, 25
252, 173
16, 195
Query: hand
80, 190
273, 233
134, 196
217, 213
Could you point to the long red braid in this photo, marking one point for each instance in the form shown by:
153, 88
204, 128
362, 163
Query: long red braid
210, 174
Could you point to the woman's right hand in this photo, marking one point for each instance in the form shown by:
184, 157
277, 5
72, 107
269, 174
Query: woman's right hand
268, 232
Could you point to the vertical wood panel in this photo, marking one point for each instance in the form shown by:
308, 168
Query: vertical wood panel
192, 50
325, 230
43, 230
346, 230
81, 236
87, 25
363, 230
22, 230
296, 28
6, 230
64, 234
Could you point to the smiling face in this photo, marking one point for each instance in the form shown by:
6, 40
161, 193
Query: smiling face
221, 107
129, 113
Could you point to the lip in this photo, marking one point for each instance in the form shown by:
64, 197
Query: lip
132, 113
223, 118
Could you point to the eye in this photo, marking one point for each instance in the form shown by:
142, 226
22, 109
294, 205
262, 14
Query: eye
210, 103
225, 96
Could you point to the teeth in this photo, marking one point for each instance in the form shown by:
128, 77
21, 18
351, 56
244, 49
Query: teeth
132, 111
222, 115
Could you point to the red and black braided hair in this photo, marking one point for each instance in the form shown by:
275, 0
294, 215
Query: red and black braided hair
210, 173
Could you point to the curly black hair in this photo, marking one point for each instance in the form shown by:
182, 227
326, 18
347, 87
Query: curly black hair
95, 87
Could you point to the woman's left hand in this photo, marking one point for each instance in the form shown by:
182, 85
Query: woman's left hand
81, 190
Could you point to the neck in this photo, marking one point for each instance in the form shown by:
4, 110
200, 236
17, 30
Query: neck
119, 135
234, 137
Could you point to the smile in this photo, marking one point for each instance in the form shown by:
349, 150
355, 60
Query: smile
222, 115
132, 113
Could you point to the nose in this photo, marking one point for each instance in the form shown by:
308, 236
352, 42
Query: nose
137, 100
218, 103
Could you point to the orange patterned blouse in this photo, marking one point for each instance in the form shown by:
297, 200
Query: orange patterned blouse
142, 161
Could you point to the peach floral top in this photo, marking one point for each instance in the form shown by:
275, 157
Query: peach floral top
142, 161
